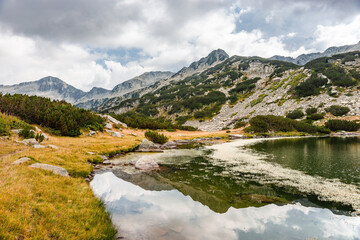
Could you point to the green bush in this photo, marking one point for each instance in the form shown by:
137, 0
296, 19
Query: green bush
335, 125
296, 114
311, 110
39, 137
310, 86
96, 160
267, 123
337, 110
240, 124
156, 137
316, 116
27, 133
339, 77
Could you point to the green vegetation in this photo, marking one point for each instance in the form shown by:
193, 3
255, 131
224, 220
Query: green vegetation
61, 117
8, 122
258, 100
96, 160
311, 110
337, 110
245, 86
240, 124
339, 77
296, 114
26, 133
271, 123
156, 137
141, 121
315, 116
310, 86
336, 125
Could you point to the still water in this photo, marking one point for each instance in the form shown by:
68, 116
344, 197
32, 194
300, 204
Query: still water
245, 189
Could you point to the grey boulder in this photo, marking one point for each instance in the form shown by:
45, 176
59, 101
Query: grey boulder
57, 170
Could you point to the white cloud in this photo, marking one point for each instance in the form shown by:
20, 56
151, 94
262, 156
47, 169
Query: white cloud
340, 34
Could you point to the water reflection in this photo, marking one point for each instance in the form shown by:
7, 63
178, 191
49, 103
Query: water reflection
146, 214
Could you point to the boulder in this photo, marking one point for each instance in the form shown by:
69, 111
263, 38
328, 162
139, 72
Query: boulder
146, 163
106, 162
57, 170
169, 145
113, 120
37, 129
108, 126
117, 134
16, 131
91, 133
45, 136
38, 146
53, 147
30, 142
21, 160
148, 146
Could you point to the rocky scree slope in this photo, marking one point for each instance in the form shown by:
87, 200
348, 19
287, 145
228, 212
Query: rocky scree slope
243, 87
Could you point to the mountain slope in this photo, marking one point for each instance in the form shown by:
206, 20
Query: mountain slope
243, 87
50, 87
305, 58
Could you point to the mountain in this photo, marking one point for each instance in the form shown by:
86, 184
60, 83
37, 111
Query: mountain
50, 87
98, 97
305, 58
240, 88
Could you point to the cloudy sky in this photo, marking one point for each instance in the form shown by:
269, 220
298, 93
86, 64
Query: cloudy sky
101, 43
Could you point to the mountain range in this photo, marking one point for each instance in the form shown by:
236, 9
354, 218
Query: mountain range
216, 91
305, 58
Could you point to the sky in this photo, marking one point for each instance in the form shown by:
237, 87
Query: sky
102, 43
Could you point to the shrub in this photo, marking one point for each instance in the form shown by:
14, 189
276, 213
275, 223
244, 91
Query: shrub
310, 86
96, 160
240, 124
266, 123
296, 114
26, 133
39, 137
339, 77
337, 110
156, 137
316, 116
311, 110
335, 125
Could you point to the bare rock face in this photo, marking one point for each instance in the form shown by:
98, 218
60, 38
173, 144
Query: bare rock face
57, 170
148, 146
146, 163
21, 160
108, 126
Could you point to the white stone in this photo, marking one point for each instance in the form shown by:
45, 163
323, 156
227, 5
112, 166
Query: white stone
53, 147
146, 163
117, 134
21, 160
108, 126
57, 170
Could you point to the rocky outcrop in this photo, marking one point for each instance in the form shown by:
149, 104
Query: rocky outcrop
148, 146
146, 163
56, 170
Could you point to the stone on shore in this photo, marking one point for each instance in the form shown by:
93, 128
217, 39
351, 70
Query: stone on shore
148, 146
236, 136
21, 160
55, 169
146, 163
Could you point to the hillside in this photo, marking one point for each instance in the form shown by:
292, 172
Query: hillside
243, 87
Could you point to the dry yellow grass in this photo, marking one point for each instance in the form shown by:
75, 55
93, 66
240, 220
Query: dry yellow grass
37, 204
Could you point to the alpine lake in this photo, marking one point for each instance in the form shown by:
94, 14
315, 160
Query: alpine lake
288, 188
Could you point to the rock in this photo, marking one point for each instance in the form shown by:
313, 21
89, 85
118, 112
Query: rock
38, 146
91, 153
113, 120
4, 138
16, 131
148, 146
37, 129
87, 179
45, 136
117, 134
104, 157
91, 133
21, 160
169, 145
106, 162
181, 142
146, 163
30, 141
53, 147
57, 170
108, 126
236, 136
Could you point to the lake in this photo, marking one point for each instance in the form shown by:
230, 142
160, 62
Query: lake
294, 188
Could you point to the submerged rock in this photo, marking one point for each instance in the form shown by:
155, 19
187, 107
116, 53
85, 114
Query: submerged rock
148, 146
55, 169
146, 163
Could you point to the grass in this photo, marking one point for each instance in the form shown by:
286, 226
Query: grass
37, 204
258, 100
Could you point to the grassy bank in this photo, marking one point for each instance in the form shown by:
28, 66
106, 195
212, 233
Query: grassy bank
37, 204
